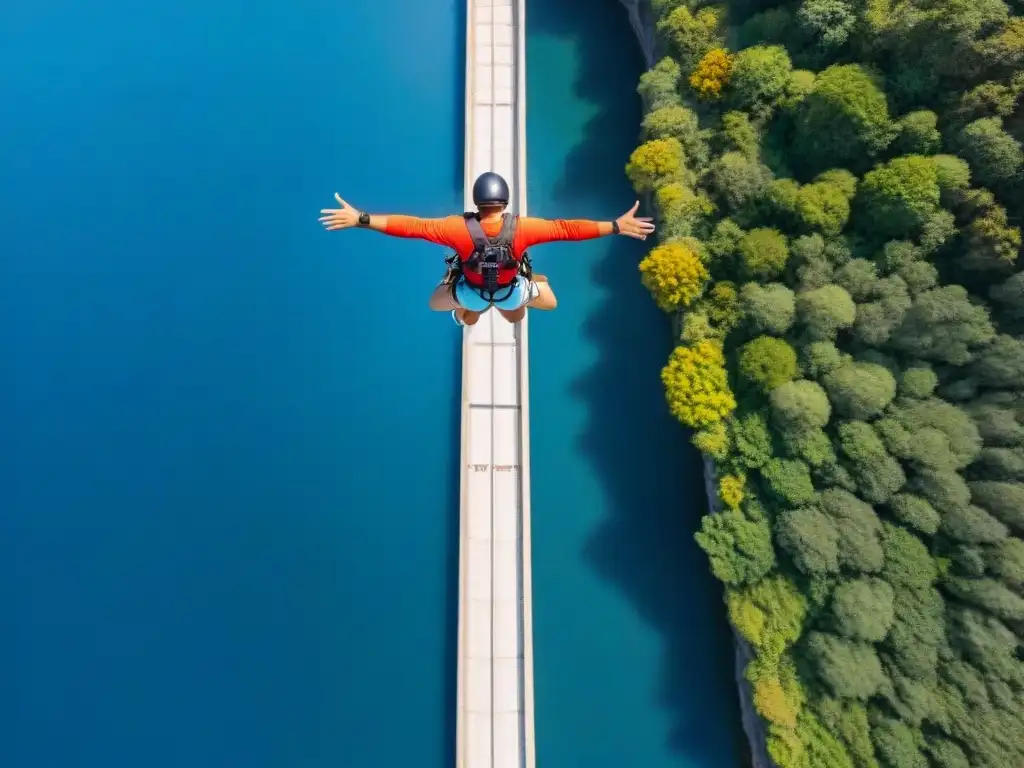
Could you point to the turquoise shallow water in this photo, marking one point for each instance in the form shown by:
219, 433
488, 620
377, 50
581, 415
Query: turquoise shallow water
223, 538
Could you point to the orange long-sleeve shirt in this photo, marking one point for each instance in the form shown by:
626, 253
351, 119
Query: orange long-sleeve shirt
452, 231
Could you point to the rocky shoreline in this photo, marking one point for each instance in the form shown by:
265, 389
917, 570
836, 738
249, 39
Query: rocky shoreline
642, 20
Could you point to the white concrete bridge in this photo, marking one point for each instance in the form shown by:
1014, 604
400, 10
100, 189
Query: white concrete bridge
495, 668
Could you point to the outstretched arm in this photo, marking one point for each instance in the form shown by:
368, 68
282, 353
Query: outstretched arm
537, 231
434, 230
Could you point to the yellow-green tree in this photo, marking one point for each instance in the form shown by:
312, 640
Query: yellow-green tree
696, 385
674, 274
655, 163
730, 490
713, 440
712, 73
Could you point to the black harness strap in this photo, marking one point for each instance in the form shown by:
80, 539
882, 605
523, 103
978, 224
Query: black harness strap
483, 260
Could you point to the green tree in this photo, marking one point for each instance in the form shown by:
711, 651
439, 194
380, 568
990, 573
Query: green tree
1008, 297
918, 134
997, 424
1004, 500
988, 595
877, 474
1005, 559
740, 550
896, 745
768, 308
682, 210
767, 362
825, 310
752, 439
659, 86
811, 539
971, 525
914, 512
860, 390
895, 199
859, 277
740, 134
827, 22
739, 180
995, 157
822, 357
674, 121
1001, 364
918, 382
763, 253
843, 120
760, 76
991, 244
953, 176
862, 609
800, 405
860, 548
944, 325
824, 205
789, 481
769, 615
690, 35
850, 670
961, 435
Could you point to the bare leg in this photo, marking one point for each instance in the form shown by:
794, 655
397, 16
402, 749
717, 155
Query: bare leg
467, 317
514, 315
545, 300
441, 299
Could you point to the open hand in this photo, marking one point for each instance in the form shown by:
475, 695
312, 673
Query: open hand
638, 227
339, 218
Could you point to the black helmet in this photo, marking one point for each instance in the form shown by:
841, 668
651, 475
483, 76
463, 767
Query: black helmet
490, 189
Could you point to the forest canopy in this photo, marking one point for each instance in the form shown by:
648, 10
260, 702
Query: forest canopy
839, 189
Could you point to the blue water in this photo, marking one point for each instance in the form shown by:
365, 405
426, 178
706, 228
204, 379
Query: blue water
224, 540
633, 659
227, 490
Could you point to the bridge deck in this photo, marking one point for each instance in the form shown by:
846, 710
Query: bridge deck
495, 685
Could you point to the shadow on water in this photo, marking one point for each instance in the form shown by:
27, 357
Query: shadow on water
650, 474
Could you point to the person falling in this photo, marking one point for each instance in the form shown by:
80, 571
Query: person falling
492, 268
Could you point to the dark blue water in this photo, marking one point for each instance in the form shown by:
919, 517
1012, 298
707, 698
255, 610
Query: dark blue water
227, 486
633, 664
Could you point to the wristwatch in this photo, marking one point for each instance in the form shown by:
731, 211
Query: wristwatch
615, 227
364, 219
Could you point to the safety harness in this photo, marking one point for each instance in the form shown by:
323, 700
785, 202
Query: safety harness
490, 257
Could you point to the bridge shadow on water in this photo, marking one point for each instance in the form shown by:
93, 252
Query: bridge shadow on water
650, 474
